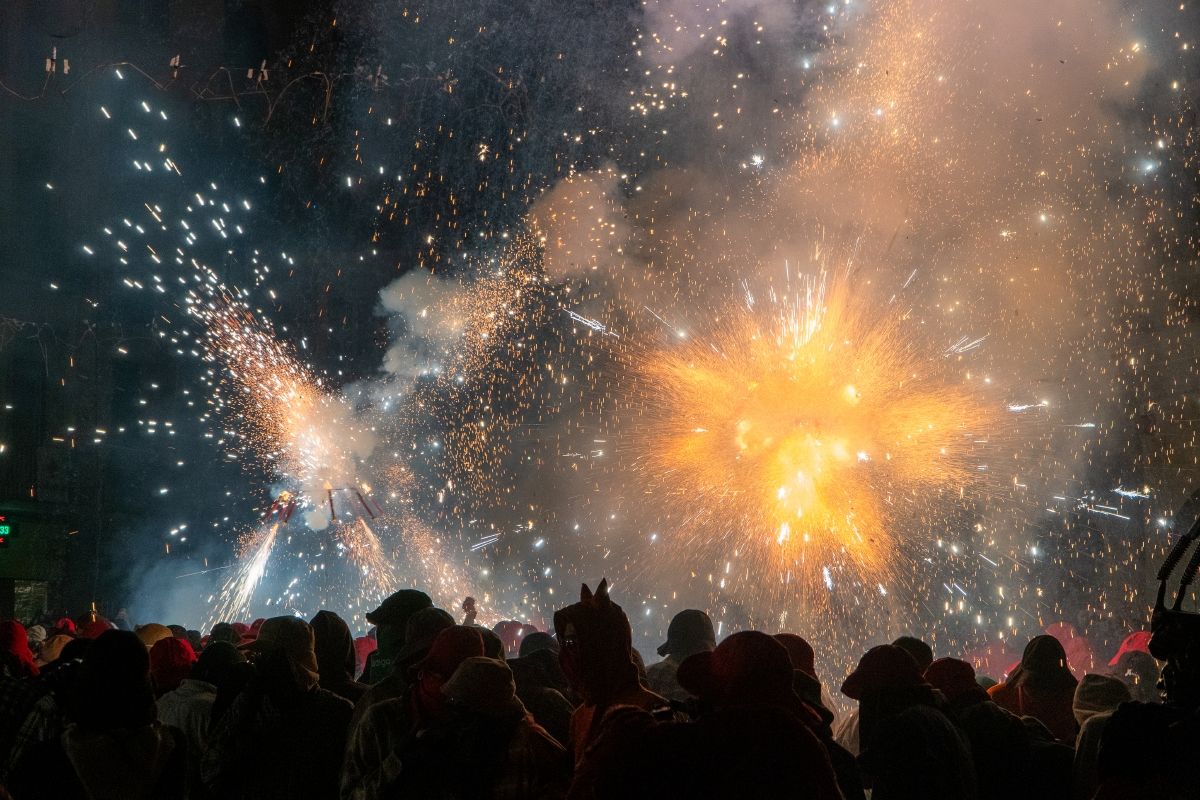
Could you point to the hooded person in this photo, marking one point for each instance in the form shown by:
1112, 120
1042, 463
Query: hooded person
420, 631
596, 654
1042, 687
691, 631
751, 739
1096, 698
999, 739
910, 748
391, 620
18, 691
483, 724
284, 735
335, 656
750, 670
19, 660
376, 753
541, 685
113, 746
189, 706
171, 661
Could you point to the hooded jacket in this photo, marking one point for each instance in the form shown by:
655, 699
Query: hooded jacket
597, 658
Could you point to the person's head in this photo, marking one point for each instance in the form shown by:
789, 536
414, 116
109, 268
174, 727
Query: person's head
691, 631
225, 632
511, 634
485, 687
391, 619
171, 661
1097, 694
422, 628
800, 652
334, 646
93, 628
151, 632
596, 646
748, 668
1140, 672
1043, 666
957, 681
113, 689
450, 647
215, 662
883, 669
886, 682
921, 652
1176, 641
178, 631
536, 642
493, 645
284, 655
18, 658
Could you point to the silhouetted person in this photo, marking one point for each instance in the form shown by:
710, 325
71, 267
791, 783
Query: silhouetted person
690, 632
113, 747
910, 749
171, 661
1042, 687
283, 737
1000, 741
422, 628
377, 753
189, 707
541, 685
751, 739
596, 654
390, 621
335, 656
1096, 698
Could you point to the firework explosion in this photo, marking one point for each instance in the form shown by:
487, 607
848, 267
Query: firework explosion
804, 432
941, 440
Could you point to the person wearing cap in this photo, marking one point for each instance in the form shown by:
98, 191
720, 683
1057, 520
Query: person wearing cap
846, 730
910, 748
422, 628
1042, 687
690, 632
284, 735
391, 621
375, 756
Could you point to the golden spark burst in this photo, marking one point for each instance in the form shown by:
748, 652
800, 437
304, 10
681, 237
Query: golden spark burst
799, 433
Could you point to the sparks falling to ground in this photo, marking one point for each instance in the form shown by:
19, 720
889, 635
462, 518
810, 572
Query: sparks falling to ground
801, 428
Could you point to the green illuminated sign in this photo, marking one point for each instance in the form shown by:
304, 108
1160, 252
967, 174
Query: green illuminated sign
5, 530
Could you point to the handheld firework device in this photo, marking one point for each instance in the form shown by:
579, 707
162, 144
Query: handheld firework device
1173, 628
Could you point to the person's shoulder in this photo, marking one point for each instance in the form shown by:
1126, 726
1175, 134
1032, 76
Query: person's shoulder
333, 703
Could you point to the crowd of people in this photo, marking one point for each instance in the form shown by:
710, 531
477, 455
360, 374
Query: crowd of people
425, 707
